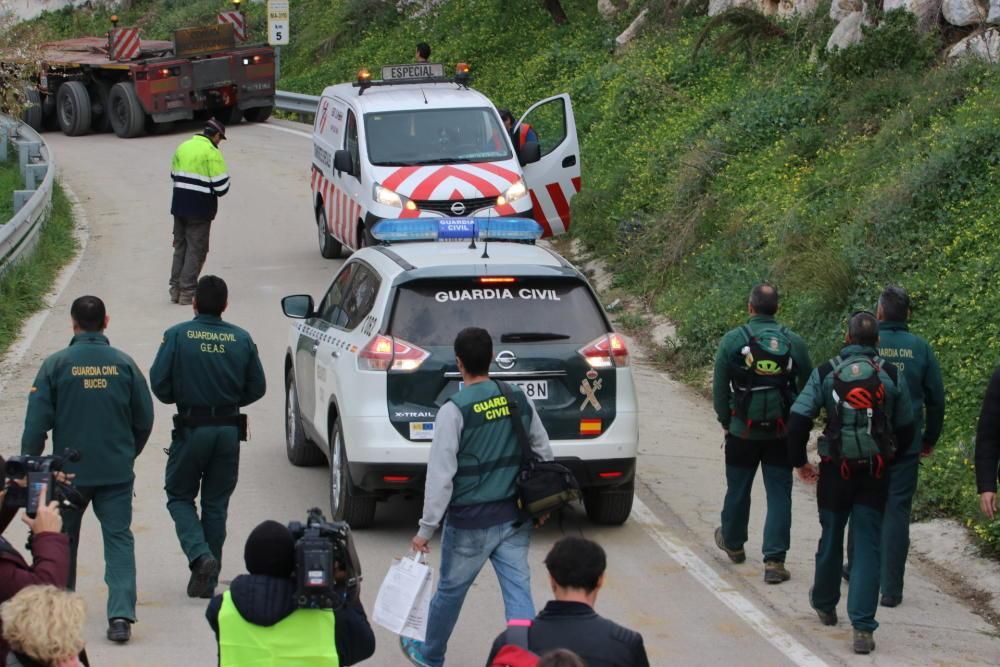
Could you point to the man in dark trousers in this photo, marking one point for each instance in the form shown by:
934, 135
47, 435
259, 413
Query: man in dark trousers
200, 177
95, 400
471, 475
759, 368
869, 419
210, 369
576, 568
912, 355
257, 621
988, 449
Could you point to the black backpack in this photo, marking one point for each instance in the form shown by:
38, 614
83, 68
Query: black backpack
763, 379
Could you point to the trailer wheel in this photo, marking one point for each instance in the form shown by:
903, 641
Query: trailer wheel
127, 116
32, 114
257, 114
73, 108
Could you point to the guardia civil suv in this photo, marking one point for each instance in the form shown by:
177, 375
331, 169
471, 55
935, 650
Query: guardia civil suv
370, 364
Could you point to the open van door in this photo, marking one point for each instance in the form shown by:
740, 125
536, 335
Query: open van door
555, 178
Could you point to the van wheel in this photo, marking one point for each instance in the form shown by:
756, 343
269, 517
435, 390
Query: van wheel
299, 449
257, 114
73, 108
358, 511
329, 247
128, 118
609, 507
365, 238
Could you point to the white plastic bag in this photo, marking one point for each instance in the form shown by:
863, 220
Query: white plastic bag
404, 597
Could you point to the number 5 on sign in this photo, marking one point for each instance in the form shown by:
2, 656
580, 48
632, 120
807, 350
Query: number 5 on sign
277, 22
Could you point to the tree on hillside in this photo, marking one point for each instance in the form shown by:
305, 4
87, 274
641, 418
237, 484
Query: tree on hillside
555, 9
18, 55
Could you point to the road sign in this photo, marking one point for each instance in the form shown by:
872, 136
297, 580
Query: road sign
277, 22
238, 21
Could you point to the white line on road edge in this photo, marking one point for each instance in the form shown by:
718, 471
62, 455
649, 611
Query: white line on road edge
289, 130
34, 324
716, 585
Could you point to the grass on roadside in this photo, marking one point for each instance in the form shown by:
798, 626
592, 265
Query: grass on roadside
10, 180
24, 286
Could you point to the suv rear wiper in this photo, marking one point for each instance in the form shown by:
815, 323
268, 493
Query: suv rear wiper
531, 336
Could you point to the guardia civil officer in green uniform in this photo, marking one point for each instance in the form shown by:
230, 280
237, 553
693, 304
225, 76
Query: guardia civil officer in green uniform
95, 400
912, 355
759, 368
200, 177
868, 417
210, 369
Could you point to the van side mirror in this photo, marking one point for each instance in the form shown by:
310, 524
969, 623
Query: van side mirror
298, 306
529, 153
342, 161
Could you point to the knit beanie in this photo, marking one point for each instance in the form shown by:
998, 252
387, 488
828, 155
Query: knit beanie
270, 550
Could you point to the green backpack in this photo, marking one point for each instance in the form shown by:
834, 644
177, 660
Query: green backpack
763, 379
858, 429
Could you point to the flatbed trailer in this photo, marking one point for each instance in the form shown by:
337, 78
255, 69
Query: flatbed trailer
133, 86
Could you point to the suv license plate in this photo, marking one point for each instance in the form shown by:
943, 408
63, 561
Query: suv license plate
536, 390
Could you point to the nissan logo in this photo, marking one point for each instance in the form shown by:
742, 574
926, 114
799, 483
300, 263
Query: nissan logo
458, 208
506, 360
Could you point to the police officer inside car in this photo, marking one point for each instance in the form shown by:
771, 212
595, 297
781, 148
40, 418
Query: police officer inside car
210, 369
95, 400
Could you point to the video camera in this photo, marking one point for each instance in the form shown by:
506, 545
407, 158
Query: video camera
324, 550
40, 473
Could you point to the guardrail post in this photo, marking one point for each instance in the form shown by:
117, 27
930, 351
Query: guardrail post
4, 142
27, 152
21, 198
34, 174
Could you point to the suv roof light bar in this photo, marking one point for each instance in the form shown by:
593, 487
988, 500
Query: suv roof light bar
457, 229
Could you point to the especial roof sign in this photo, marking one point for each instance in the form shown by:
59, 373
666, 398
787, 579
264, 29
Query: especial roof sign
412, 71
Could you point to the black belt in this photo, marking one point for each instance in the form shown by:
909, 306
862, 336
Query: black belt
196, 417
209, 411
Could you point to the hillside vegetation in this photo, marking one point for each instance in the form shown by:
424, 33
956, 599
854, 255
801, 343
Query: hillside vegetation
760, 158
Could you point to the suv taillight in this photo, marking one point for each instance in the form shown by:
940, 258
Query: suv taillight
608, 351
383, 353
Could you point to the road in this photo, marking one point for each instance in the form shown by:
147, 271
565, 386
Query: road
665, 578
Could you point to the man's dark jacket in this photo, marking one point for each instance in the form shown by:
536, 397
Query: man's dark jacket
988, 438
577, 627
265, 601
51, 566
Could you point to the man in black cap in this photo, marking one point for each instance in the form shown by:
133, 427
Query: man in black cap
257, 620
200, 177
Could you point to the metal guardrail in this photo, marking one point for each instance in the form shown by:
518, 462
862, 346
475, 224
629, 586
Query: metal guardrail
304, 105
32, 204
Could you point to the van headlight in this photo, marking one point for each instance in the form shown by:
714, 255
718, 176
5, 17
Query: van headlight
517, 190
388, 197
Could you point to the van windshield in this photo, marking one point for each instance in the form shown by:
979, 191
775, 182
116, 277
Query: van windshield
435, 136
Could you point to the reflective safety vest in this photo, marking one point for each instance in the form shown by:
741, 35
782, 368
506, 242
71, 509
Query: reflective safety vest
200, 177
305, 638
522, 134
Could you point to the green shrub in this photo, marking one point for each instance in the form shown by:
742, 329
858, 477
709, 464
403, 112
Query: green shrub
893, 44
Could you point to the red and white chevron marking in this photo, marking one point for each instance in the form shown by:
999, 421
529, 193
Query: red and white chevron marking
125, 43
551, 206
454, 181
238, 21
342, 212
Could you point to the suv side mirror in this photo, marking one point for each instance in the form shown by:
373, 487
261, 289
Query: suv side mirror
298, 306
530, 152
342, 161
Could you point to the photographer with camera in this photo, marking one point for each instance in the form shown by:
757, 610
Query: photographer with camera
95, 401
299, 603
49, 550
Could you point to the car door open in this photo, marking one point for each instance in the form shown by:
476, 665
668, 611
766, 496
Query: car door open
554, 179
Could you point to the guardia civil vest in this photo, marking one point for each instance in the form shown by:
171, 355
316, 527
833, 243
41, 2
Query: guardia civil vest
200, 177
489, 455
305, 638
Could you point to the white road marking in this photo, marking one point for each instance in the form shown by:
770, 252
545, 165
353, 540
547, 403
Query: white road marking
289, 130
31, 328
717, 586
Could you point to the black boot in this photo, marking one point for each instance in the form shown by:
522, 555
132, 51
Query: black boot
204, 574
119, 630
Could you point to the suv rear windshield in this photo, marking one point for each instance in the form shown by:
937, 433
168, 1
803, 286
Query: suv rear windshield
532, 310
435, 136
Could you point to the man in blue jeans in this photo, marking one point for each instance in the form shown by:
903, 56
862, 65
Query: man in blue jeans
471, 474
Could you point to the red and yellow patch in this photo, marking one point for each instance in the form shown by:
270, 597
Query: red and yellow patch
591, 426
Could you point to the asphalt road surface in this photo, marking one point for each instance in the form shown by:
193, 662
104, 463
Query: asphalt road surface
665, 577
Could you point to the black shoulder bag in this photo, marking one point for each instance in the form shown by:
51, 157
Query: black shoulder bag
542, 486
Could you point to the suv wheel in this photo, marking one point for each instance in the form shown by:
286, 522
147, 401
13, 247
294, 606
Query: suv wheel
358, 511
300, 451
609, 507
329, 247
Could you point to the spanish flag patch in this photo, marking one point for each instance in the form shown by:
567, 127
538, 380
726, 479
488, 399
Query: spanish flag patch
590, 426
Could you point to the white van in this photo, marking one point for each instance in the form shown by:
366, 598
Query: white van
418, 144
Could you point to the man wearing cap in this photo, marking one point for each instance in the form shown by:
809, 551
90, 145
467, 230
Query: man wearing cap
257, 621
200, 177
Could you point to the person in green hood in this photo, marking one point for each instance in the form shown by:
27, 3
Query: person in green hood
95, 400
758, 370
